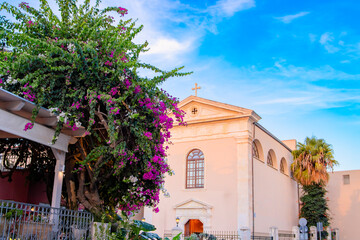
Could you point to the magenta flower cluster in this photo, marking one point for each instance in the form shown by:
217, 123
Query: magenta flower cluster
28, 92
122, 11
24, 4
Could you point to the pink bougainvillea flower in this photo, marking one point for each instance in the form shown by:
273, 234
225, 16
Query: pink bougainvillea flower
148, 135
28, 126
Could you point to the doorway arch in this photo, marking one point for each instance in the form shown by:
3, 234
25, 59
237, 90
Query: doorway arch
193, 226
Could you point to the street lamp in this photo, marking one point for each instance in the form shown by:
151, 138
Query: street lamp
177, 221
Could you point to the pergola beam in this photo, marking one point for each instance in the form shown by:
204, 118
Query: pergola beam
14, 124
13, 105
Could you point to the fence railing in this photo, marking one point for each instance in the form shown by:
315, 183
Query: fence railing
29, 222
224, 235
286, 235
261, 238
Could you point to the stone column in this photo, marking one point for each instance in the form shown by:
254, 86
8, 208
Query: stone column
274, 232
296, 233
313, 233
244, 233
175, 231
244, 187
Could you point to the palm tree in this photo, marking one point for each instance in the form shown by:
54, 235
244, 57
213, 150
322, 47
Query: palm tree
312, 160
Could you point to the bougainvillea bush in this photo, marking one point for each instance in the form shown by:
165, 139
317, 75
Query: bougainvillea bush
83, 66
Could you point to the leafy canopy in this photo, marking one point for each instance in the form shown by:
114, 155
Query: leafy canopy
83, 65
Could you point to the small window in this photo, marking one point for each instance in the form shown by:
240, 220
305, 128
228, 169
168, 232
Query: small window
195, 169
255, 151
269, 160
282, 168
346, 179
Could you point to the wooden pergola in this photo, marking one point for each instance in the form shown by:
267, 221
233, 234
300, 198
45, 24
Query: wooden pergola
15, 113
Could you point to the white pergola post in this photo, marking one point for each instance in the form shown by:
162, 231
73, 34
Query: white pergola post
58, 178
57, 186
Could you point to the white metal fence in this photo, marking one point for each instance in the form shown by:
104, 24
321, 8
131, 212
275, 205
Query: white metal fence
33, 222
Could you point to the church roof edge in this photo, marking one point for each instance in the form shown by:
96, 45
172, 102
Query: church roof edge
273, 136
219, 104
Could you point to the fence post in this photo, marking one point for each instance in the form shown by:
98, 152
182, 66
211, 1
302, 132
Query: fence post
274, 233
296, 233
244, 233
313, 233
329, 233
175, 231
337, 237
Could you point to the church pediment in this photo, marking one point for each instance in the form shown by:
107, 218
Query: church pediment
199, 109
192, 204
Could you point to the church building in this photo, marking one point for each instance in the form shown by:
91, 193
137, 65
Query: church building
230, 173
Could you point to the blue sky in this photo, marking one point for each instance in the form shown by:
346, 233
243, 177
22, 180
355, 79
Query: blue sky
296, 63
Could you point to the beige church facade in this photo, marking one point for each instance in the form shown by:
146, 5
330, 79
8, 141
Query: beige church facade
230, 173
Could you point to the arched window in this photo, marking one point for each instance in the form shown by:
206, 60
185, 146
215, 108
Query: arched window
255, 151
270, 161
283, 166
195, 169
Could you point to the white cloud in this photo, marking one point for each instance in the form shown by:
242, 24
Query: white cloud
170, 48
171, 45
289, 18
325, 72
227, 8
326, 40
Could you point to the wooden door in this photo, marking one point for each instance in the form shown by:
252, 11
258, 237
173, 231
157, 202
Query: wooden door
193, 226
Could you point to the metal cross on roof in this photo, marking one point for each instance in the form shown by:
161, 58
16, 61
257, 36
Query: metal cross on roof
196, 88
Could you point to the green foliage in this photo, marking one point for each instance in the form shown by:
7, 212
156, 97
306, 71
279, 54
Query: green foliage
83, 66
201, 236
14, 213
314, 205
133, 229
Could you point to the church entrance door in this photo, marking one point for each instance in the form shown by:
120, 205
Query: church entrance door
193, 226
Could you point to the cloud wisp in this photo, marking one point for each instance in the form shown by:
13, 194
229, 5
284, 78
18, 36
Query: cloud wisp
289, 18
326, 40
227, 8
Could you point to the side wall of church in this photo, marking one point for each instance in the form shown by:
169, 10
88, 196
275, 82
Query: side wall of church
220, 194
276, 194
344, 203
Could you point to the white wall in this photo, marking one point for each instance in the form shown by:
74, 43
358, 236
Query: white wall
344, 204
276, 194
